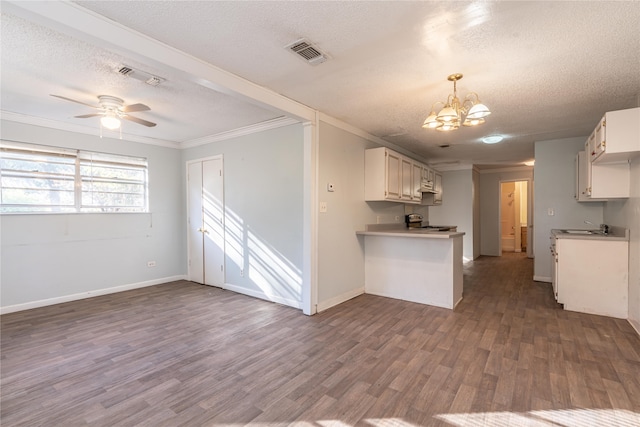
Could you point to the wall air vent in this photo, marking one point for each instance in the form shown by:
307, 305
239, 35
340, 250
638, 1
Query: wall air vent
307, 51
140, 75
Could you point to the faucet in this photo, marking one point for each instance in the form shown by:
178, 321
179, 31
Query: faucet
604, 228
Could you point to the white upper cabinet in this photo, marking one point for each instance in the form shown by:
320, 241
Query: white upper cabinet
392, 176
382, 174
616, 137
604, 172
416, 176
407, 179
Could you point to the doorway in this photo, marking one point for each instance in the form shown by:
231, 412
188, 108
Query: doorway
515, 217
205, 217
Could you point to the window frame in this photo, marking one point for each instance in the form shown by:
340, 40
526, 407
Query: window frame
126, 189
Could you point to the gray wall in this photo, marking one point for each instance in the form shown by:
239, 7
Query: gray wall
457, 207
340, 251
59, 257
554, 185
490, 206
263, 197
626, 213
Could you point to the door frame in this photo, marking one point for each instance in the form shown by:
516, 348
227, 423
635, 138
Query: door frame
529, 214
186, 175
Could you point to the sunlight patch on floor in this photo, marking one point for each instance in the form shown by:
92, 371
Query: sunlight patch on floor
549, 418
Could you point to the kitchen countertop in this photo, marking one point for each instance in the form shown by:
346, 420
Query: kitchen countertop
615, 234
400, 230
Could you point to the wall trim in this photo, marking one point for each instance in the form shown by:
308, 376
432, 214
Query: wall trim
234, 133
324, 305
542, 279
263, 296
88, 294
635, 325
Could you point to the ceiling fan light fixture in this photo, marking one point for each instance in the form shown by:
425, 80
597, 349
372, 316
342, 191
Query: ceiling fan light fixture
110, 121
470, 112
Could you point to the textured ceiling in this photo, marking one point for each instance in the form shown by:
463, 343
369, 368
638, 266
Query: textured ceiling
546, 69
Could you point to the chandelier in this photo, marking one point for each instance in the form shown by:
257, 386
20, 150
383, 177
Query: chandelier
451, 115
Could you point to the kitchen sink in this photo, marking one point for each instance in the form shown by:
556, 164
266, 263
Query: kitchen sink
582, 231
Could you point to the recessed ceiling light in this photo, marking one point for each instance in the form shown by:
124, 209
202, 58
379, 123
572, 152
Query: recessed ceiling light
492, 139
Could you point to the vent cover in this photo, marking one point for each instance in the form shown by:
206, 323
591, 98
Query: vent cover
124, 70
307, 51
143, 76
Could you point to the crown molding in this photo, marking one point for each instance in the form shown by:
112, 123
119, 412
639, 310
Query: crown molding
93, 131
246, 130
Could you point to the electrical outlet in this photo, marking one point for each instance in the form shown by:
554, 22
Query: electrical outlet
151, 264
323, 206
550, 212
241, 273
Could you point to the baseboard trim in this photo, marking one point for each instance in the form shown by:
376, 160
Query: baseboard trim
542, 279
88, 294
332, 302
263, 296
635, 325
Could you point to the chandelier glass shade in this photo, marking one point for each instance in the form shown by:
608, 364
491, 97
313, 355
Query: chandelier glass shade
468, 112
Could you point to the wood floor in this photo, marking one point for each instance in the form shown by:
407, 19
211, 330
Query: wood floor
182, 354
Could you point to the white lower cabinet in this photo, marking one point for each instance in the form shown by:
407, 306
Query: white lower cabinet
592, 276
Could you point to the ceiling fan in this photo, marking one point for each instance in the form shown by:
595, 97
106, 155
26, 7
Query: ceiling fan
111, 110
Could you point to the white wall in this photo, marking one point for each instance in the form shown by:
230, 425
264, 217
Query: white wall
457, 207
263, 196
490, 205
53, 258
340, 251
554, 188
626, 213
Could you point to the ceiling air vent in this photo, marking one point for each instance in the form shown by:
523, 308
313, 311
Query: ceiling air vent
143, 76
125, 71
307, 51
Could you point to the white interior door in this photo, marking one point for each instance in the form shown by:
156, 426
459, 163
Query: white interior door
213, 221
195, 219
206, 221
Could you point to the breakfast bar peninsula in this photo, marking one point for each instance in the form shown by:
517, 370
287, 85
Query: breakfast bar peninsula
413, 264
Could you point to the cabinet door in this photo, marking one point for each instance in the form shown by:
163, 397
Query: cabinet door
416, 178
393, 175
437, 197
407, 182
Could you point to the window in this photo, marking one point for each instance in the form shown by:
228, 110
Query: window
42, 179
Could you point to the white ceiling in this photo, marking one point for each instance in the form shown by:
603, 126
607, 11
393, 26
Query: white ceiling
547, 70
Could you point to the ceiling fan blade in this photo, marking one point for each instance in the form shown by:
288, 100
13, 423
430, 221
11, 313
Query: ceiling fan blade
86, 116
73, 100
135, 107
139, 121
